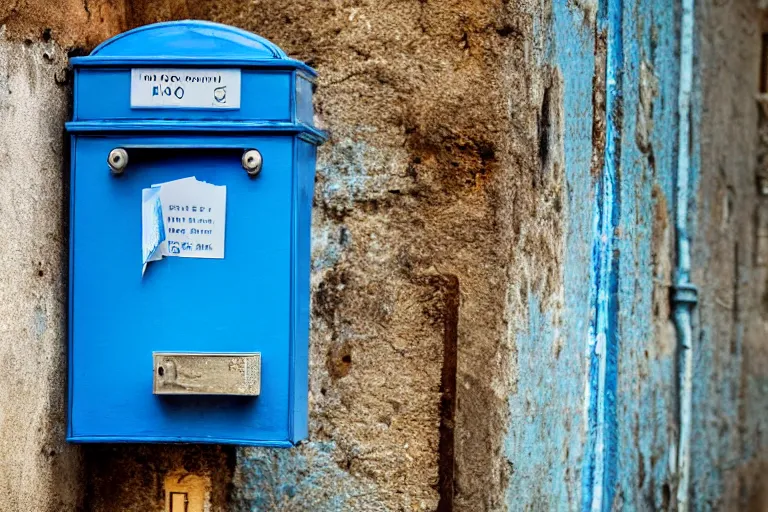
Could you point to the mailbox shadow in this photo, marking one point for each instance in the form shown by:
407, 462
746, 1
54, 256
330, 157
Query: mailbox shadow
140, 156
197, 404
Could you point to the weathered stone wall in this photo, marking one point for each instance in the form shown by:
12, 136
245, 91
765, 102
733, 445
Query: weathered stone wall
38, 471
452, 274
428, 146
729, 260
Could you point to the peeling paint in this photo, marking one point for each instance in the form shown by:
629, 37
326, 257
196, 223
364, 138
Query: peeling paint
600, 462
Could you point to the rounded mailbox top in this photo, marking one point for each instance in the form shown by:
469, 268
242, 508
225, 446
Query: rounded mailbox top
189, 43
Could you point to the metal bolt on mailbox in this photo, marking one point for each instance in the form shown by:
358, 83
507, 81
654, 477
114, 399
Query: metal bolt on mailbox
193, 165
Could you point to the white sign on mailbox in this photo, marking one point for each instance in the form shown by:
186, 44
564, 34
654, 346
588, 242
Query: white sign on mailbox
185, 88
184, 218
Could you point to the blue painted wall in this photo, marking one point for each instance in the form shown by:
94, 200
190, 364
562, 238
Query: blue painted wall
605, 431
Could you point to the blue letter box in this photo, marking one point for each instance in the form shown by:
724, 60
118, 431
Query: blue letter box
193, 160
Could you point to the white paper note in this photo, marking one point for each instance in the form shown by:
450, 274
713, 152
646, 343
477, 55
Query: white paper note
185, 218
152, 228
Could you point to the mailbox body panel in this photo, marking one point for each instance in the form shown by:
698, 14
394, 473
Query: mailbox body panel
254, 301
304, 190
242, 303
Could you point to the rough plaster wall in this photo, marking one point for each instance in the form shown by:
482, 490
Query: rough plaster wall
411, 250
39, 471
730, 436
83, 23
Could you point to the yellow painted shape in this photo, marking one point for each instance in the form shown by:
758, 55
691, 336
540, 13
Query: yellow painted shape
186, 492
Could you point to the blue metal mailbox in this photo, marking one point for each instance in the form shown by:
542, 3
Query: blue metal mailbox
201, 348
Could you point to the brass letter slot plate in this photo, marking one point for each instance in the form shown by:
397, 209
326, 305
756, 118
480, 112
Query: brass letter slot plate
178, 373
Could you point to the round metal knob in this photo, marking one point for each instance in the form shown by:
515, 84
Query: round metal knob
252, 162
117, 160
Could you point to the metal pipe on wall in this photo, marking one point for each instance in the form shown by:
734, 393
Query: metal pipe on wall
684, 295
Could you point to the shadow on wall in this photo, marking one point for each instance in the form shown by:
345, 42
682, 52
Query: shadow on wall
135, 474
